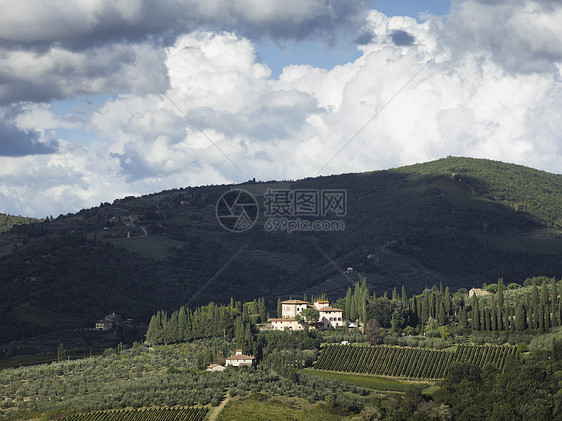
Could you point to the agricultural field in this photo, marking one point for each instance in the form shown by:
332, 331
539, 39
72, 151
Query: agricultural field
368, 381
405, 362
262, 407
151, 414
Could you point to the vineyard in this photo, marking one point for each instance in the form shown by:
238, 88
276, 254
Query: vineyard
153, 414
407, 362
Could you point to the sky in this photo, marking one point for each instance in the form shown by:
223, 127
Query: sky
109, 98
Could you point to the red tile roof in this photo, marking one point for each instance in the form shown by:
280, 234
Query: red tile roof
329, 310
241, 357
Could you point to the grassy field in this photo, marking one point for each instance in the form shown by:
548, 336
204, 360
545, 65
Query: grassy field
39, 317
261, 407
371, 382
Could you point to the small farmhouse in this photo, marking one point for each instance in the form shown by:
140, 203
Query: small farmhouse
239, 359
479, 292
105, 324
215, 367
285, 323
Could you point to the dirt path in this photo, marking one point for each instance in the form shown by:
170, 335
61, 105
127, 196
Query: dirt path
218, 409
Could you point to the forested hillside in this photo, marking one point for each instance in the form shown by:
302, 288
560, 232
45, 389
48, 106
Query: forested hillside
457, 220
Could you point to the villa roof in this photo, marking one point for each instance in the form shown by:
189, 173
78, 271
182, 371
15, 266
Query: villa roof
294, 302
241, 357
329, 310
283, 319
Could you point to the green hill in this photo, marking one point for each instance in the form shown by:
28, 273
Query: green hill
8, 221
458, 220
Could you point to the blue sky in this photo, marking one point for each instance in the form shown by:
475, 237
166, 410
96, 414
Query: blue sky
119, 98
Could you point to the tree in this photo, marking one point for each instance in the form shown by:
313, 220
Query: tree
262, 310
279, 308
500, 293
61, 353
182, 324
545, 293
348, 305
441, 314
475, 313
447, 300
520, 318
534, 294
154, 331
310, 314
372, 331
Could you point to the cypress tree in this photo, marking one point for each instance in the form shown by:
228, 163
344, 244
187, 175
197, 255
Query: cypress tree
182, 324
431, 299
364, 306
153, 332
262, 310
441, 314
171, 331
500, 293
279, 308
61, 353
394, 294
545, 293
404, 296
447, 300
520, 317
493, 319
534, 294
531, 320
554, 289
364, 287
547, 317
348, 304
475, 313
540, 316
425, 310
462, 317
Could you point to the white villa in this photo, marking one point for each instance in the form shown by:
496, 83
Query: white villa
329, 316
239, 359
291, 308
